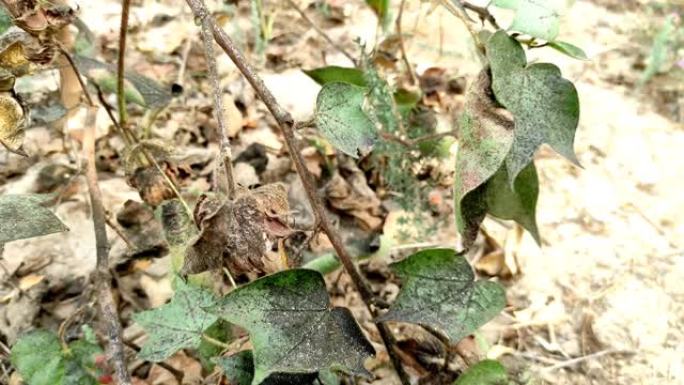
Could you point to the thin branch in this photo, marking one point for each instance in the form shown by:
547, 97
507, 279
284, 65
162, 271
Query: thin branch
73, 66
286, 123
105, 300
226, 156
575, 361
216, 342
321, 32
120, 96
482, 12
402, 46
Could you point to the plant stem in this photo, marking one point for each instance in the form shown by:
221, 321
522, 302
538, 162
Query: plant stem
225, 152
108, 312
215, 342
321, 32
120, 96
482, 12
286, 124
402, 47
105, 300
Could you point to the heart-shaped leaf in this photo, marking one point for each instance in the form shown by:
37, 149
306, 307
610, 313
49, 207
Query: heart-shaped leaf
292, 327
486, 136
41, 360
545, 106
341, 119
178, 324
24, 217
439, 290
330, 74
497, 198
538, 18
486, 372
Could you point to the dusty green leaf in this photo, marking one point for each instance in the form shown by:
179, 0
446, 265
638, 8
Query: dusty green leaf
497, 198
486, 372
544, 105
518, 204
24, 217
138, 89
381, 103
538, 18
569, 49
239, 370
331, 74
486, 136
40, 359
439, 290
292, 327
659, 50
341, 119
178, 324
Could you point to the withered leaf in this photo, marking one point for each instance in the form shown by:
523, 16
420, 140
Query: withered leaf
238, 234
11, 123
486, 133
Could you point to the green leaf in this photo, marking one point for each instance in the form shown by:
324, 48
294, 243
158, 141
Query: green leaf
5, 21
439, 290
569, 49
486, 135
545, 105
178, 324
330, 74
40, 359
220, 331
497, 198
239, 370
381, 9
659, 50
406, 100
138, 89
381, 100
518, 204
341, 119
534, 17
24, 217
486, 372
292, 327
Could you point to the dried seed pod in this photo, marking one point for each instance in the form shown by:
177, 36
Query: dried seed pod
12, 119
151, 185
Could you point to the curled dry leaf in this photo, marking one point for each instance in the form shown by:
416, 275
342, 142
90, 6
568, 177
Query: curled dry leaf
11, 123
40, 18
151, 185
353, 196
239, 234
